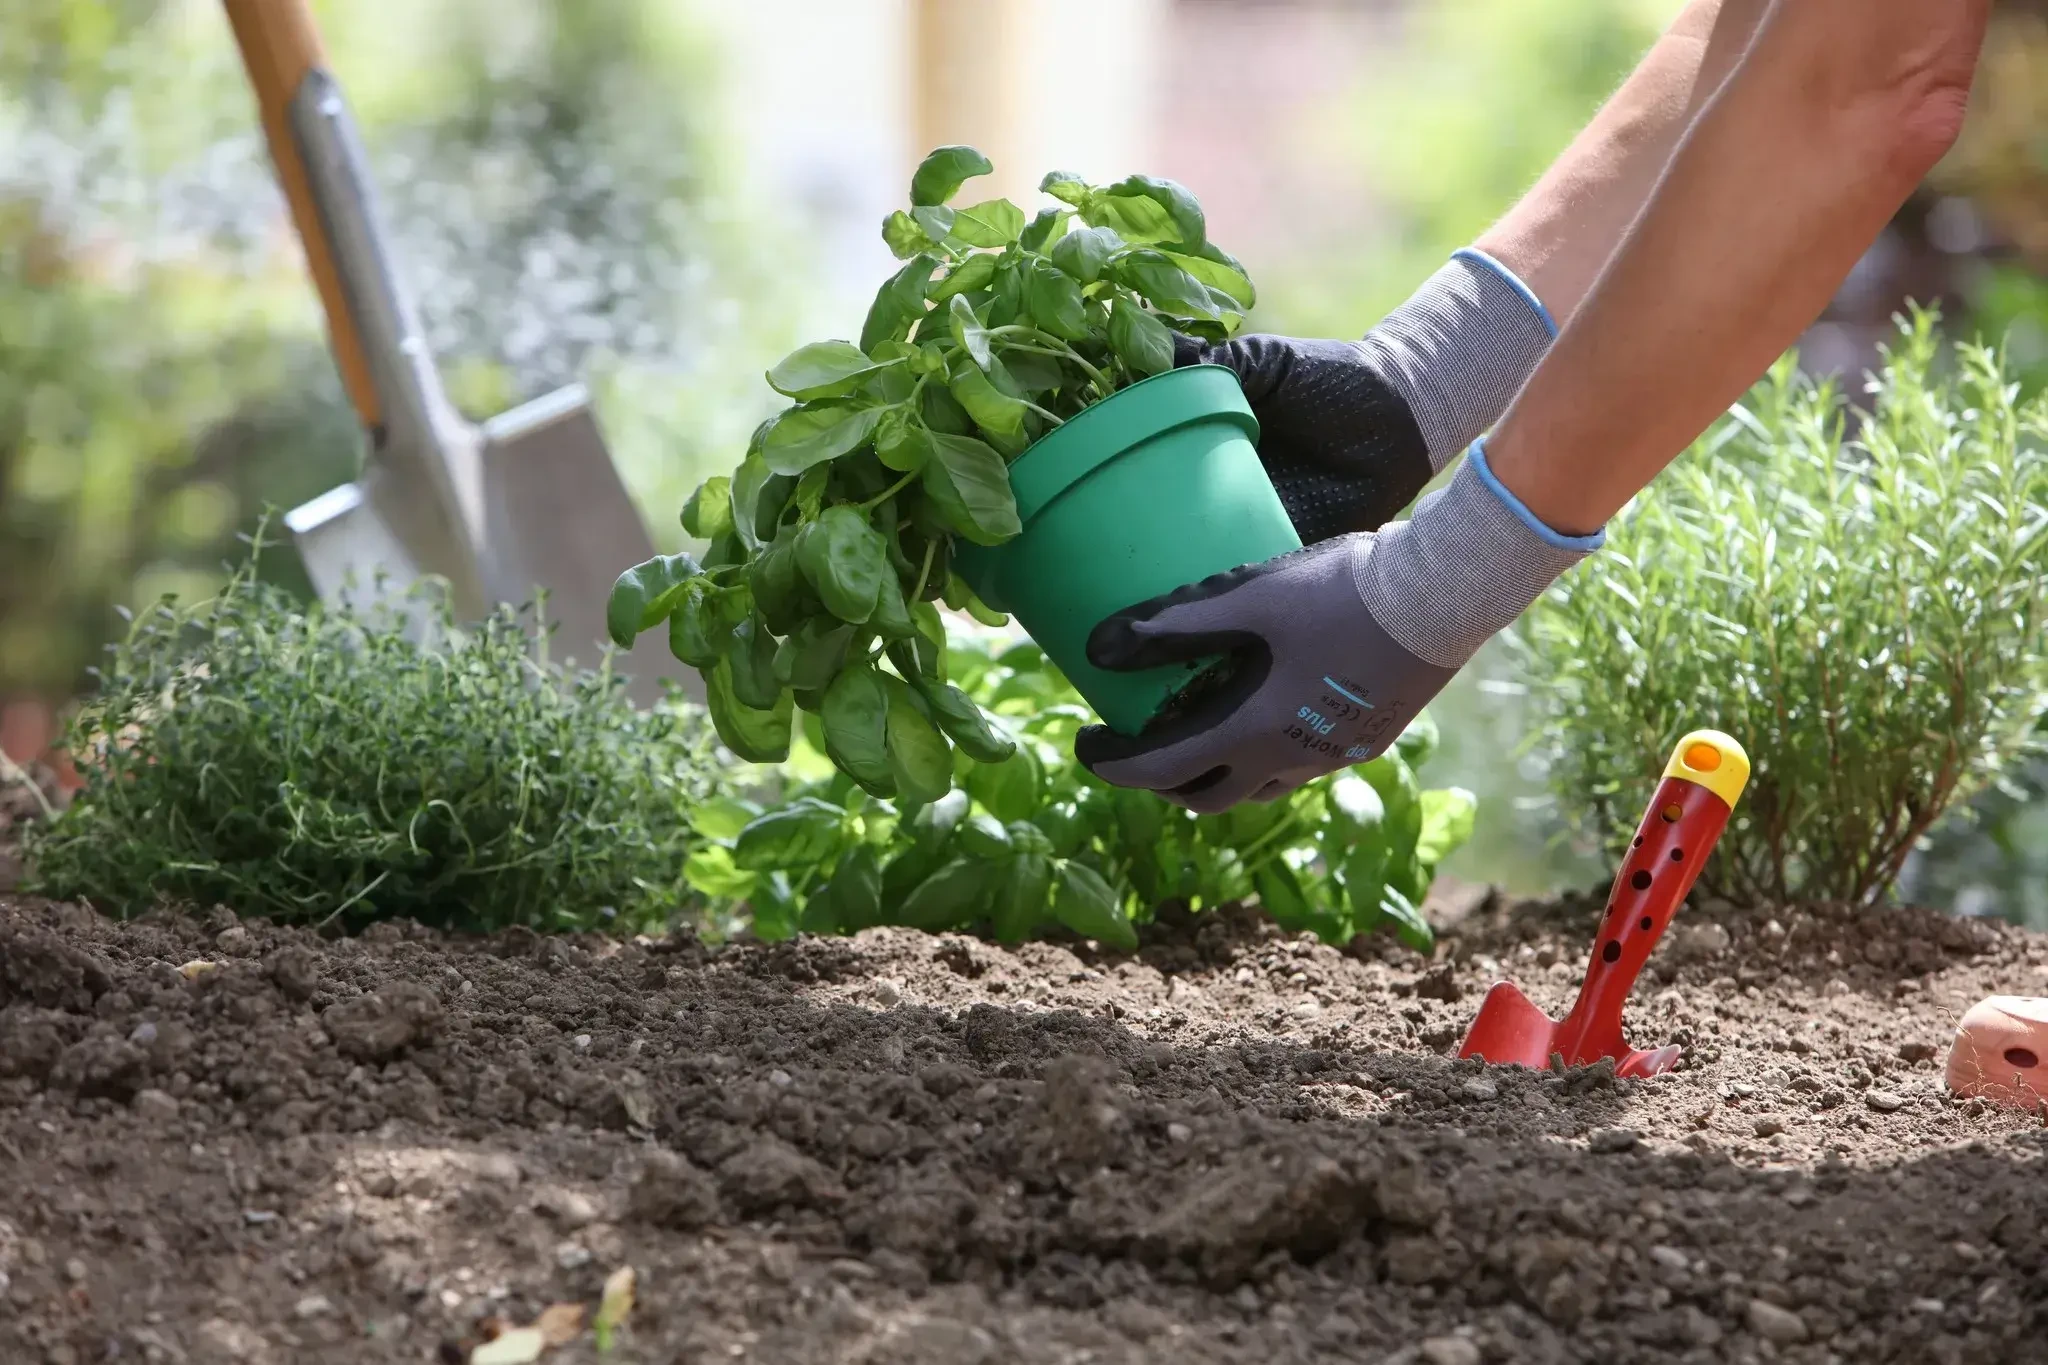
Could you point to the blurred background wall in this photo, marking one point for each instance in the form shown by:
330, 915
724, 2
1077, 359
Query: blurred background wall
663, 196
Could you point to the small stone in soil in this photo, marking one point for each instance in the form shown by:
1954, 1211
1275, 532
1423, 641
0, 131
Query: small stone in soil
1178, 1132
1450, 1351
1780, 1326
1884, 1101
155, 1105
1916, 1052
1769, 1127
1671, 1258
1479, 1091
312, 1306
570, 1256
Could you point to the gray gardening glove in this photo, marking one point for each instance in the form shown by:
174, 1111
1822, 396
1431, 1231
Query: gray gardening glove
1351, 431
1335, 647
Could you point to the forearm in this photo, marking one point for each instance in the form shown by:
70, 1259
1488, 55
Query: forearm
1782, 183
1562, 232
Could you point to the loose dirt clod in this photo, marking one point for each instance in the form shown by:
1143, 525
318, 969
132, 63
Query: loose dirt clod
1052, 1158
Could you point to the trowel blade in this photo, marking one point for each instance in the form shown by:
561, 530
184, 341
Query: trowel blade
353, 555
559, 517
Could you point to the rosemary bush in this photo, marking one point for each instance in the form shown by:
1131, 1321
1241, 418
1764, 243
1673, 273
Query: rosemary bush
315, 764
1860, 602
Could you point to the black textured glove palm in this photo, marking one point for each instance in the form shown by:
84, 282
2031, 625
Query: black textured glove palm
1351, 431
1339, 443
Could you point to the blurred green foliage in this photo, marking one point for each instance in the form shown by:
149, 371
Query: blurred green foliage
548, 168
1450, 126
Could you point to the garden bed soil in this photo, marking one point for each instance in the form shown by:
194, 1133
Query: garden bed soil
1232, 1146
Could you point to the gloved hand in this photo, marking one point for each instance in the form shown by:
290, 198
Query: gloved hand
1336, 646
1351, 431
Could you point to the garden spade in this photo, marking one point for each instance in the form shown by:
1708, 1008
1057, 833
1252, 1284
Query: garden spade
1701, 785
529, 499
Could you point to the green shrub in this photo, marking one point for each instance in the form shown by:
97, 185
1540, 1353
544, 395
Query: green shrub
1857, 597
1035, 842
318, 765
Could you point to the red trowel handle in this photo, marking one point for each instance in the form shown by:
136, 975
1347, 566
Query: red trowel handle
1701, 785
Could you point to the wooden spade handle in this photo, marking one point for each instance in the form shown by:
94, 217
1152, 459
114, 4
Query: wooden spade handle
280, 48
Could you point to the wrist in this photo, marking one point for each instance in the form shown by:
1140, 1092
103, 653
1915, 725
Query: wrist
1460, 349
1471, 560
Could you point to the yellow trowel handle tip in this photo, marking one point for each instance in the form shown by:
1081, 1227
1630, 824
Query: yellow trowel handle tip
1712, 760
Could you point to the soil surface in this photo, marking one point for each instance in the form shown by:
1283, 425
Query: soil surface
1232, 1146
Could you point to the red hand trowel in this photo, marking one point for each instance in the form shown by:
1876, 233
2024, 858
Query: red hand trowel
1701, 785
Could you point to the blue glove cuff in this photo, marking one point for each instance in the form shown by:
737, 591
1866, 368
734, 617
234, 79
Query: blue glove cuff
1476, 457
1513, 281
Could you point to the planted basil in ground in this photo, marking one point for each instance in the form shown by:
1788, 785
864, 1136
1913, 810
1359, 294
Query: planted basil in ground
836, 531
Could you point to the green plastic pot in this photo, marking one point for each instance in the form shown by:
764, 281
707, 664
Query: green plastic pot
1156, 486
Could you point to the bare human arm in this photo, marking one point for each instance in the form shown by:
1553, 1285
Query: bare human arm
1837, 111
1563, 230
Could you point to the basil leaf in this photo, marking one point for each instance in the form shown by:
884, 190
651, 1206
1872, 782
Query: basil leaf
722, 817
855, 716
982, 835
750, 665
967, 329
1010, 788
708, 513
1447, 819
1021, 896
693, 634
968, 726
1219, 270
1419, 741
1044, 229
811, 657
905, 236
992, 223
1066, 187
846, 560
899, 302
1054, 301
935, 219
749, 483
823, 369
856, 892
900, 443
1401, 795
644, 595
1409, 925
892, 620
1000, 417
1165, 285
1084, 902
803, 833
969, 484
1139, 338
1147, 209
776, 582
955, 895
711, 871
1032, 373
920, 760
754, 734
1084, 252
803, 437
971, 274
941, 174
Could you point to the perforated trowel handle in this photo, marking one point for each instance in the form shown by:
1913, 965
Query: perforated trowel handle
281, 50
